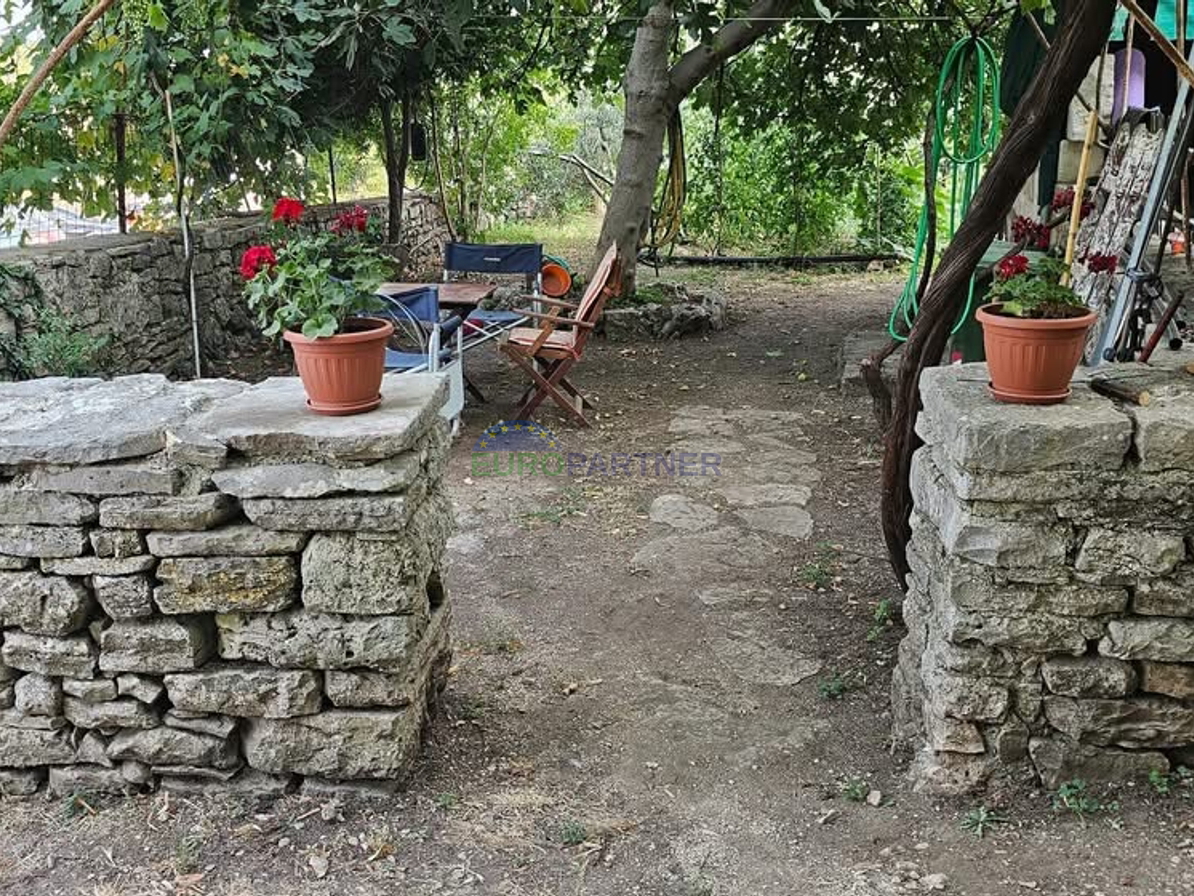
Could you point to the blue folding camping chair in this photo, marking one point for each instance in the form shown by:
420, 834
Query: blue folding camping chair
418, 321
510, 258
483, 325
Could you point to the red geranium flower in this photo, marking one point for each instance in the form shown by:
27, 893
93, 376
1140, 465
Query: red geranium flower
1030, 232
1098, 263
1011, 267
353, 220
255, 260
288, 211
1064, 199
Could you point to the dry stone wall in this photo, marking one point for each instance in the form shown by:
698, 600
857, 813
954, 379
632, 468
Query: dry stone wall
132, 289
204, 586
1050, 609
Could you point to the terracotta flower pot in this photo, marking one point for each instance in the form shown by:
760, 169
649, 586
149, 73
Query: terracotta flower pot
1031, 361
342, 373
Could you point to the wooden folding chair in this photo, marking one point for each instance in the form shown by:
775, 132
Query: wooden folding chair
547, 353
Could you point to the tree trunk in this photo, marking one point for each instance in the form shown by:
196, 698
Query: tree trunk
119, 133
439, 170
403, 163
460, 164
1040, 111
645, 122
393, 179
653, 92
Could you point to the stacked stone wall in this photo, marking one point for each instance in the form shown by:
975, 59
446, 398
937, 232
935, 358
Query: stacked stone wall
132, 289
1050, 608
205, 586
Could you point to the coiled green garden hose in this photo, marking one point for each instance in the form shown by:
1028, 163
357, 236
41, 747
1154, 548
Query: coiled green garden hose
968, 87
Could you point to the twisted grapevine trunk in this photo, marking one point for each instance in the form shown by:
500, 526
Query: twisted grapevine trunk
1078, 42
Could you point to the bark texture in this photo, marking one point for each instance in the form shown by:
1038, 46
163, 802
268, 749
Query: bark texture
644, 124
393, 159
653, 92
1077, 44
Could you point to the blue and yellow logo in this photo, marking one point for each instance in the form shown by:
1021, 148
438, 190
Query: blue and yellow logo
523, 448
517, 447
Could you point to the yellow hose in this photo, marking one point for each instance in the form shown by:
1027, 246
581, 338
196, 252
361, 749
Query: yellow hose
665, 223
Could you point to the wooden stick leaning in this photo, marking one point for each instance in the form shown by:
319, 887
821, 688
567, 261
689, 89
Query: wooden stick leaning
1092, 129
1166, 46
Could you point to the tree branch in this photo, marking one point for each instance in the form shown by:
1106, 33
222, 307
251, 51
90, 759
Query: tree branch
76, 34
732, 38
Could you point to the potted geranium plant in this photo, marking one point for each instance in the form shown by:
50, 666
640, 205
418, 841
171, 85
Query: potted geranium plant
315, 287
1034, 332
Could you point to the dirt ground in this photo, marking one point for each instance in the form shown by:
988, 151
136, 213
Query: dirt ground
637, 708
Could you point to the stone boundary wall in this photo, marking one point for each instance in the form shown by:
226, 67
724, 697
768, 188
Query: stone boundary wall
203, 586
131, 288
1050, 609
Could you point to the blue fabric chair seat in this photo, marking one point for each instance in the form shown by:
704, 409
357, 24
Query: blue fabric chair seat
483, 316
396, 360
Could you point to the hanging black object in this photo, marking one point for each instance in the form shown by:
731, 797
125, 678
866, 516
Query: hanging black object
418, 142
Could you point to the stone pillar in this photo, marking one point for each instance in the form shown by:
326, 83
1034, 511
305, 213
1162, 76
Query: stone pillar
1050, 609
205, 586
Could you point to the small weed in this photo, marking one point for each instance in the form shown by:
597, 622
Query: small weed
573, 833
186, 854
835, 687
1073, 797
819, 573
447, 800
880, 620
469, 708
1160, 782
981, 819
816, 574
500, 645
78, 803
378, 844
855, 790
570, 502
58, 348
1166, 784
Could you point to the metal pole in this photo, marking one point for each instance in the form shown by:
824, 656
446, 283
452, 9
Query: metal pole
119, 133
332, 172
188, 245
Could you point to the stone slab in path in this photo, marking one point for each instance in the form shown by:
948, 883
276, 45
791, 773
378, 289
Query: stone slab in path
683, 513
786, 519
756, 658
859, 346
